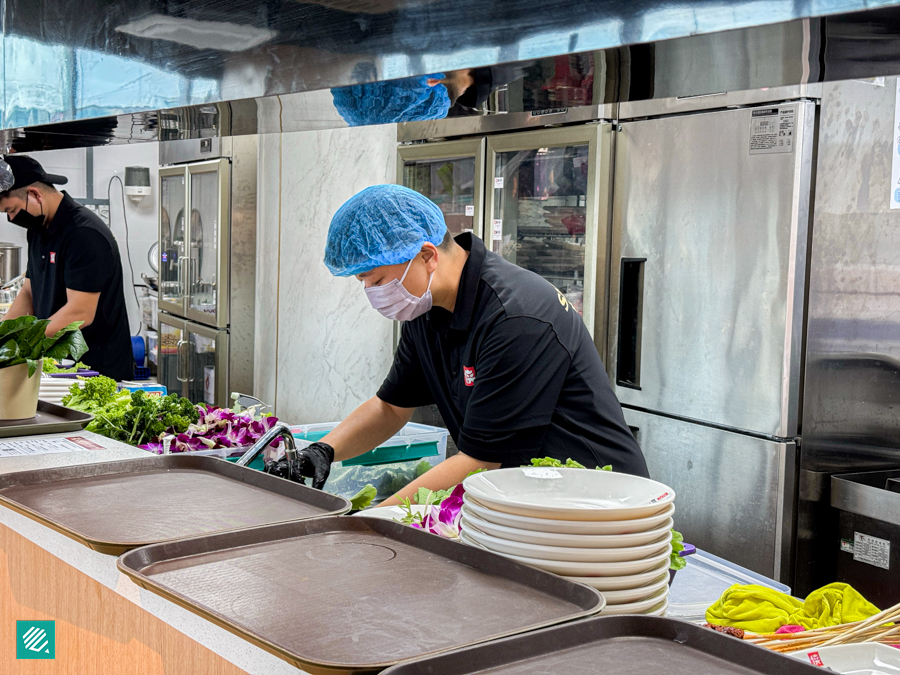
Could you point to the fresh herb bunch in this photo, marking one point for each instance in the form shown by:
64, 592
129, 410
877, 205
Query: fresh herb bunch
130, 417
24, 340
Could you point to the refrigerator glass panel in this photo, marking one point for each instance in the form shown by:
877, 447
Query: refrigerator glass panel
733, 492
171, 362
449, 183
171, 238
540, 212
204, 242
202, 369
708, 266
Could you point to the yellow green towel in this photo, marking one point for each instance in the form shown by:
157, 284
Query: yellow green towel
764, 610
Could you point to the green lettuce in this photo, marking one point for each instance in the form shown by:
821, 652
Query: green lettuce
24, 340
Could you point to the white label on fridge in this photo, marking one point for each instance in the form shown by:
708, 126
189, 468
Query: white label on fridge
872, 550
470, 210
497, 229
541, 472
772, 130
209, 384
498, 182
895, 152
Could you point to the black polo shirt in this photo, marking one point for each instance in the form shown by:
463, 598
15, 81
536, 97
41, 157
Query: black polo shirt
78, 251
513, 371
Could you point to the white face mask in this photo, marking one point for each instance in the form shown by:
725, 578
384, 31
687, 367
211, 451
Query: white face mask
395, 302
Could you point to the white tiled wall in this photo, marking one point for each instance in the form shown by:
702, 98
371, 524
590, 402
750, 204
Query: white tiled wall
329, 349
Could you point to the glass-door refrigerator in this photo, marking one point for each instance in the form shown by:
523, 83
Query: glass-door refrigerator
548, 208
451, 174
207, 241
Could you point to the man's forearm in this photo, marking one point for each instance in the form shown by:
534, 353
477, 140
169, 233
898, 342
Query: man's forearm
66, 315
442, 477
366, 428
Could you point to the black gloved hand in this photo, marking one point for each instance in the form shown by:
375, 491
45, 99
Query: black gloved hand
313, 461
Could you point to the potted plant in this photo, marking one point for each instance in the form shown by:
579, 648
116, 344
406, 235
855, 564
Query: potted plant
23, 345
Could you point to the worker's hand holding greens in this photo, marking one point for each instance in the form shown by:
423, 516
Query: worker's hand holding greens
508, 362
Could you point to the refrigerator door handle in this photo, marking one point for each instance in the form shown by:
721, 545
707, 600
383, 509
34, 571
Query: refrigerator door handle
181, 371
631, 306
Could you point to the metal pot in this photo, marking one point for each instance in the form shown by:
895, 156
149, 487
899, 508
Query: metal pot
10, 261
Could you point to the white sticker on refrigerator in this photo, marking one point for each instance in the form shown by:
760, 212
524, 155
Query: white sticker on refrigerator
470, 210
895, 152
496, 229
872, 550
498, 182
772, 130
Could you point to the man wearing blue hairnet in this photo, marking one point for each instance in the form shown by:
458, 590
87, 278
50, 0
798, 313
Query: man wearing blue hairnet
508, 361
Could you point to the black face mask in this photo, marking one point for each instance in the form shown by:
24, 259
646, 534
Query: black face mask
26, 220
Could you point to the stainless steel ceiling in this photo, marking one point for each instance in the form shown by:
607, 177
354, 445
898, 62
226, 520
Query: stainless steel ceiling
173, 63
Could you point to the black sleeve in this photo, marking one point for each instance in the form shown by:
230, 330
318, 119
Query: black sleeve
406, 386
519, 374
88, 262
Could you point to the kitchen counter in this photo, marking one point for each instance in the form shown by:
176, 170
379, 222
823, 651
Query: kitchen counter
104, 622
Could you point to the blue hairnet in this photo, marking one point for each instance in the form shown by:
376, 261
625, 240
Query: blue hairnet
403, 100
382, 225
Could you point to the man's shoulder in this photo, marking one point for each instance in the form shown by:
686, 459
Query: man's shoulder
521, 292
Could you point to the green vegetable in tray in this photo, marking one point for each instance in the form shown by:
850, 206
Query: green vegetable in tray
24, 340
570, 464
363, 498
51, 366
676, 562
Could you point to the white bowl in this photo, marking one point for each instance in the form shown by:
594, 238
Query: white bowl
630, 594
638, 607
565, 553
388, 512
625, 582
569, 494
550, 538
590, 569
856, 658
598, 527
658, 611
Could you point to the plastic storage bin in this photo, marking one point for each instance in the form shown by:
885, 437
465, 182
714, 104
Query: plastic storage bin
414, 441
703, 580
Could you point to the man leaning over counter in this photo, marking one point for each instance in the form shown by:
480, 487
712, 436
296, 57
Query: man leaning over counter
74, 271
508, 361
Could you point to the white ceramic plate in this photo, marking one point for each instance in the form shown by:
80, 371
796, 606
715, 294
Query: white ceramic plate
587, 569
859, 659
583, 527
658, 611
564, 553
572, 540
630, 594
569, 494
625, 582
639, 607
388, 512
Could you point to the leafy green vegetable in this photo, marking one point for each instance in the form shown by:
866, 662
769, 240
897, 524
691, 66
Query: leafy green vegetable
52, 366
426, 497
608, 467
556, 464
676, 562
24, 340
130, 417
363, 498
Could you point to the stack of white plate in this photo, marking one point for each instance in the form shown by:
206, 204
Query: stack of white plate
609, 530
53, 389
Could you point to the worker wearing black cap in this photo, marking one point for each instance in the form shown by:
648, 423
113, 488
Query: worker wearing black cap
74, 271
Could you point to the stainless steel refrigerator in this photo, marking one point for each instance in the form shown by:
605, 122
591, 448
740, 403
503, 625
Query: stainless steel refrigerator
708, 268
207, 267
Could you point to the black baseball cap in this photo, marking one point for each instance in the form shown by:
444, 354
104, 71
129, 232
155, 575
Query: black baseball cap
27, 171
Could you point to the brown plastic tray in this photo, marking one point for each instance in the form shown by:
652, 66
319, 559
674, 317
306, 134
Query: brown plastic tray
355, 595
50, 419
612, 645
113, 507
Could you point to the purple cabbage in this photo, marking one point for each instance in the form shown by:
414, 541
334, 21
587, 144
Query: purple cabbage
217, 428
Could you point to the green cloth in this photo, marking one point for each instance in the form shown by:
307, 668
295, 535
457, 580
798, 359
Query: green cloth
765, 610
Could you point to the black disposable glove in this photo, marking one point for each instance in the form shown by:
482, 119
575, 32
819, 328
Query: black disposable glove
313, 461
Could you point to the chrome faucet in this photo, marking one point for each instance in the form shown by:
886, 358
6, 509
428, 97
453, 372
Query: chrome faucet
281, 429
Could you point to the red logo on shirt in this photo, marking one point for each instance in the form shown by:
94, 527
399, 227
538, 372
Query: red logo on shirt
469, 376
52, 257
